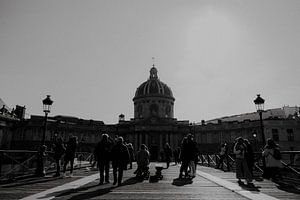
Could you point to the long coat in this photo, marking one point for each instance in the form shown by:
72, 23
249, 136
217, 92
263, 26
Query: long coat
120, 155
270, 160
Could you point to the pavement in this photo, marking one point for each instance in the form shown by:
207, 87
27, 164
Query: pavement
208, 184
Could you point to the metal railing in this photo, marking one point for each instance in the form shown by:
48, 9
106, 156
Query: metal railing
290, 161
19, 163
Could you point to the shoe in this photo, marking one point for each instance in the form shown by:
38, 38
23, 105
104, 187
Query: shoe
115, 182
101, 183
240, 182
250, 184
107, 181
119, 184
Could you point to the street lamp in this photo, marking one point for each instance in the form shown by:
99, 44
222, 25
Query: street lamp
259, 103
47, 103
40, 170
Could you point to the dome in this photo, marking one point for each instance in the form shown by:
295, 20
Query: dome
153, 87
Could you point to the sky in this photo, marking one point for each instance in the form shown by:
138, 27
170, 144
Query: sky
91, 56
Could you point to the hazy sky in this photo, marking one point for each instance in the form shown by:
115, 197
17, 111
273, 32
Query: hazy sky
90, 56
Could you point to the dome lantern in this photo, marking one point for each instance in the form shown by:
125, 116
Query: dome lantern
153, 73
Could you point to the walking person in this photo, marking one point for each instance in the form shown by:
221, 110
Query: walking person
102, 153
168, 154
242, 171
59, 150
120, 159
272, 156
70, 155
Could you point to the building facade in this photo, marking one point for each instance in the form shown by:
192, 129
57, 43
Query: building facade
154, 124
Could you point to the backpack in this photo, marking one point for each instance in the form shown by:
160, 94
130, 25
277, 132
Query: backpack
277, 154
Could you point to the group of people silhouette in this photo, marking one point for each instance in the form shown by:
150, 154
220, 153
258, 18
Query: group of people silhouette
117, 153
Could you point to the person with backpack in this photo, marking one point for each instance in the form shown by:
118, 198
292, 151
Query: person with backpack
272, 156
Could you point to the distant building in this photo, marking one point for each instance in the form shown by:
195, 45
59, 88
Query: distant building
154, 124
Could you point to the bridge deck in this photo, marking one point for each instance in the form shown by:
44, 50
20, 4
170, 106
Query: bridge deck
208, 184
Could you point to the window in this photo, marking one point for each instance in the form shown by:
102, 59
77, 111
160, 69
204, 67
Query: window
290, 134
275, 134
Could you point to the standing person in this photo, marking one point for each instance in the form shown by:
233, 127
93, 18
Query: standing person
59, 150
102, 153
195, 155
272, 157
168, 154
227, 156
188, 152
176, 155
70, 154
120, 159
249, 156
222, 156
192, 154
184, 158
242, 170
131, 154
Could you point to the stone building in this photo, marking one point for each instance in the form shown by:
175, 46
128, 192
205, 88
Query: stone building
153, 124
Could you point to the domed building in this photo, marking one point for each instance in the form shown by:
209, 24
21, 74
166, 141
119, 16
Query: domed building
153, 99
154, 123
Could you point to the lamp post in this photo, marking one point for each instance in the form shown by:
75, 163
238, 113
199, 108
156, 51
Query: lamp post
259, 103
40, 170
47, 103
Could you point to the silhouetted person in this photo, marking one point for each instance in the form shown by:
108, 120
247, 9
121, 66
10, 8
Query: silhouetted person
249, 156
102, 153
273, 161
131, 154
59, 150
168, 154
176, 153
222, 157
184, 157
70, 155
120, 159
143, 160
187, 156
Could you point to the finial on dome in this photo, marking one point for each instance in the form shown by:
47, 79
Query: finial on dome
153, 71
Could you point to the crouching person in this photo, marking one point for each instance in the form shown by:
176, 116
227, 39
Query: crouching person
143, 160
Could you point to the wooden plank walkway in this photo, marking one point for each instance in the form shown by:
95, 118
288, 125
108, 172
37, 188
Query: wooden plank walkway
208, 184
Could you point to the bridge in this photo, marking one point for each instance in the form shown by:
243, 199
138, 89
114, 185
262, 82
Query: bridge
209, 183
